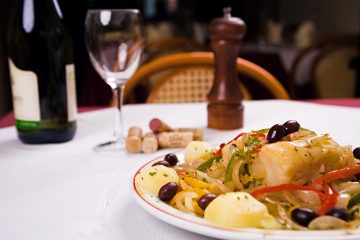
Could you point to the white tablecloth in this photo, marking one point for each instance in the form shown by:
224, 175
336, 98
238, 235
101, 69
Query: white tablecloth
67, 191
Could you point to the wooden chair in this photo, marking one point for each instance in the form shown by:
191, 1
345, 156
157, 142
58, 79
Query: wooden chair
323, 70
188, 77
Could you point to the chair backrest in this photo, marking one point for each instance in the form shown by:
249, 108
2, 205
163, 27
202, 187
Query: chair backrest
189, 77
332, 73
189, 84
323, 69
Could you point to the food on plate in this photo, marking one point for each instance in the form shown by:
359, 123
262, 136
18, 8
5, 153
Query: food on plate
153, 178
282, 177
236, 209
197, 150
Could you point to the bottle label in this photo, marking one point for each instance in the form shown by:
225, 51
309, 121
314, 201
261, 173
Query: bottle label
25, 91
71, 92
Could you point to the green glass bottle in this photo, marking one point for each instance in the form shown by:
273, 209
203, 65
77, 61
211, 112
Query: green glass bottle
41, 65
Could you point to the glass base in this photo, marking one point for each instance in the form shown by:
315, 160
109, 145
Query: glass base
111, 146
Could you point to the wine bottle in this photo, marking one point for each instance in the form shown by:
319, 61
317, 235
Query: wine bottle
41, 65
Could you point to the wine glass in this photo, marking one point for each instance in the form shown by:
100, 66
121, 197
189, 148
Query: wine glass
114, 40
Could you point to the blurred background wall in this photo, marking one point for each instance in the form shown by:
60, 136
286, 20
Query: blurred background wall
330, 16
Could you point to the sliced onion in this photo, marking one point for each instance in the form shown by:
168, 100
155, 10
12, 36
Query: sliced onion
309, 197
235, 176
347, 187
327, 222
217, 170
180, 205
201, 176
183, 198
188, 201
189, 166
222, 187
184, 185
343, 200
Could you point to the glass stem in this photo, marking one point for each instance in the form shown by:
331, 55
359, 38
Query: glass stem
119, 127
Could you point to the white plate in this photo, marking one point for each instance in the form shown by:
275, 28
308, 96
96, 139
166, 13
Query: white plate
172, 216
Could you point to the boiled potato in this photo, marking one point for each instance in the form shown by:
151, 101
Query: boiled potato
197, 150
236, 209
153, 178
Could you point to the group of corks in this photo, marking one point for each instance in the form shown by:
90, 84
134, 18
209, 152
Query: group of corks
161, 136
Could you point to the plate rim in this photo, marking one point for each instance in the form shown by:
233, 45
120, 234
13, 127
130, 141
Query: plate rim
212, 230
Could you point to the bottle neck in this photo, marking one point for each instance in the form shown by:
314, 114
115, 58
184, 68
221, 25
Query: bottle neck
34, 10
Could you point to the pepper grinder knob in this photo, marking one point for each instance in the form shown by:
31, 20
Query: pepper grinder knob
225, 109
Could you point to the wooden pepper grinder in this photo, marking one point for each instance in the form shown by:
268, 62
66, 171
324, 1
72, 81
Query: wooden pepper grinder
225, 109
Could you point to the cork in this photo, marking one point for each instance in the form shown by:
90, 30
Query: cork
133, 141
174, 139
149, 143
157, 126
198, 133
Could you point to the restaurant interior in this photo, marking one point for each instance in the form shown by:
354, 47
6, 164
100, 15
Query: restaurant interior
310, 47
186, 119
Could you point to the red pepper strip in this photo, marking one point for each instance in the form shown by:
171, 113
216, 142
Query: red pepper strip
330, 201
287, 187
258, 148
261, 135
218, 152
182, 173
337, 174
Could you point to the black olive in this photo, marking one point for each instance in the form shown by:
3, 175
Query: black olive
205, 199
171, 158
356, 153
168, 191
291, 126
222, 145
162, 162
341, 213
275, 133
303, 216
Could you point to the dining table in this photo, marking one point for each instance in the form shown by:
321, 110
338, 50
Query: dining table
68, 191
